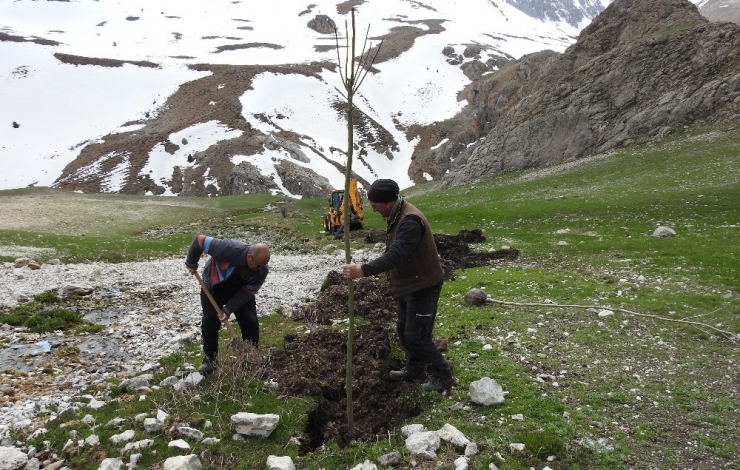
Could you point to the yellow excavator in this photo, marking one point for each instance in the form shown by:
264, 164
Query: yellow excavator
334, 219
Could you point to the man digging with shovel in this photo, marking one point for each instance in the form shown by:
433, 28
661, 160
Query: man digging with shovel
232, 276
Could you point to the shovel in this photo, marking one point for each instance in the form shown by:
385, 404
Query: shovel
226, 322
244, 349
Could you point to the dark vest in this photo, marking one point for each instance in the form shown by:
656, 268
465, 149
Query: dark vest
422, 269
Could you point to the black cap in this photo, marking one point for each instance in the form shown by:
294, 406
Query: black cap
383, 191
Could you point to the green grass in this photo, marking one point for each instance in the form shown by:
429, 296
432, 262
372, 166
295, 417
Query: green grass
39, 316
614, 392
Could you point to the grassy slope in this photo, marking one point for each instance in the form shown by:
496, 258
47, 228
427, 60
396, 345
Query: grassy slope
595, 392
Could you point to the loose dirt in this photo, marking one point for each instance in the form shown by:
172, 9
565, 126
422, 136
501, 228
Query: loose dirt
315, 365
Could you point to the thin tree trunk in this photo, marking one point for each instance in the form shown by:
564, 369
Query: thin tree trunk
352, 78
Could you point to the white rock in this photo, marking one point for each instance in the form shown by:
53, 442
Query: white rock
252, 424
12, 458
138, 445
423, 444
664, 232
191, 433
182, 462
280, 463
451, 434
193, 378
122, 437
179, 444
152, 425
409, 429
366, 465
110, 464
518, 446
461, 463
486, 391
391, 459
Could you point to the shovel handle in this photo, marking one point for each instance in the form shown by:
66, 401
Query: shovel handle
226, 322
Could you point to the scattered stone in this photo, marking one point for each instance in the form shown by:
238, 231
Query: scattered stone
110, 464
182, 462
423, 444
664, 232
486, 391
12, 458
451, 434
191, 433
191, 380
138, 445
391, 459
410, 429
280, 463
251, 424
122, 437
179, 444
461, 463
152, 425
136, 383
366, 465
73, 289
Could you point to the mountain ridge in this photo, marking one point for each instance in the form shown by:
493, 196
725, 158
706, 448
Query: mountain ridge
260, 141
637, 72
274, 127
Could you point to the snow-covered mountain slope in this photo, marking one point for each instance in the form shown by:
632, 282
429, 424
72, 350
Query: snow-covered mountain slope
224, 96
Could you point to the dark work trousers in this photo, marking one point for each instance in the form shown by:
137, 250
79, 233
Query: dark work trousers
246, 316
415, 323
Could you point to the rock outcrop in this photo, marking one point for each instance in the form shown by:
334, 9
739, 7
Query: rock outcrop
638, 71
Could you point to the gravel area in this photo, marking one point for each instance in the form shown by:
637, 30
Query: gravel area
150, 310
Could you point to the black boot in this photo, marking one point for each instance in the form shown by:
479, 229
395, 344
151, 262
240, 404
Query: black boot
437, 384
405, 375
208, 366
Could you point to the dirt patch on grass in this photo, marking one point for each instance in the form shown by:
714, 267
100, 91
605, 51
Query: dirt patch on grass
315, 364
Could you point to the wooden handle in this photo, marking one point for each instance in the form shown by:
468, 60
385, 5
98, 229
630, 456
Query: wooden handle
215, 304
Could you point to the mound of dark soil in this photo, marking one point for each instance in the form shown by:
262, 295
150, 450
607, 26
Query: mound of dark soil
315, 364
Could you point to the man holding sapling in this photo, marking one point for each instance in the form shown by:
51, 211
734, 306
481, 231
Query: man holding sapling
416, 278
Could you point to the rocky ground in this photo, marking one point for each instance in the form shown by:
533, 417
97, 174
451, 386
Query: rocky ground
149, 309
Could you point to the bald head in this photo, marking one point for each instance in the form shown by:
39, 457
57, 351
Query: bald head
258, 255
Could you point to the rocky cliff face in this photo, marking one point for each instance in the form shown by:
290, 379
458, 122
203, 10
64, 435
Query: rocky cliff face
638, 71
